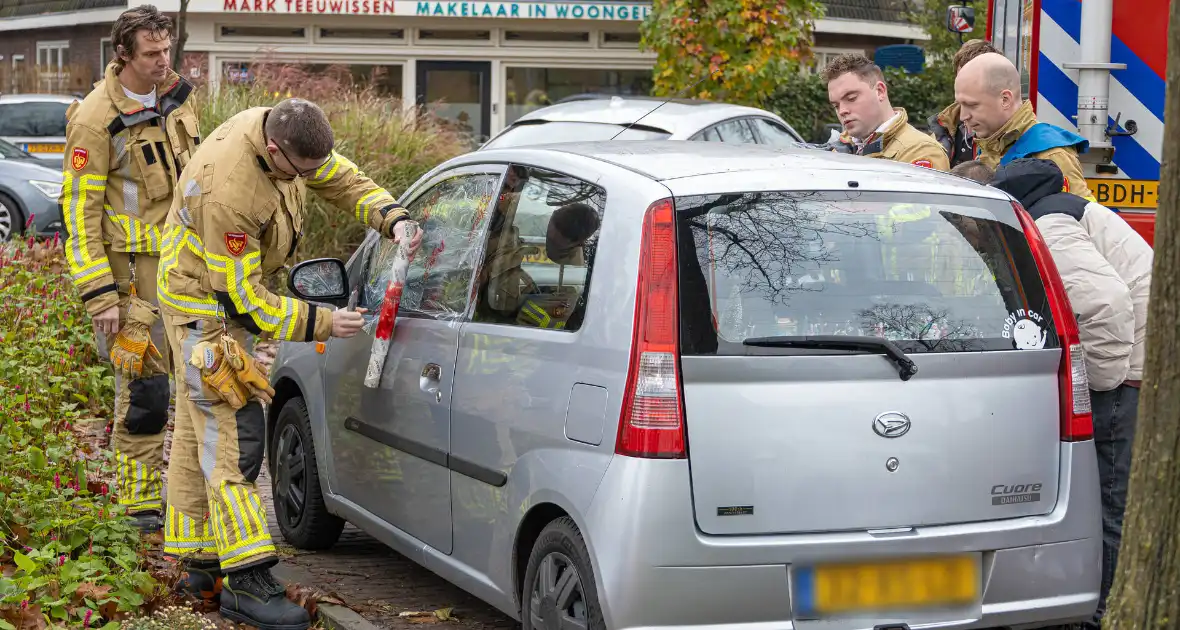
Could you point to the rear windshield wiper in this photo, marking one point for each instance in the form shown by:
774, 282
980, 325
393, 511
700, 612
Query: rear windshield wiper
906, 368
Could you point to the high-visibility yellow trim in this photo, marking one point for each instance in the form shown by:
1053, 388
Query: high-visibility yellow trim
239, 526
184, 535
142, 238
138, 484
83, 266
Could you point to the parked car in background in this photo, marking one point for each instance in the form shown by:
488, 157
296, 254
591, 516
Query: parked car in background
747, 388
35, 122
28, 188
593, 117
9, 151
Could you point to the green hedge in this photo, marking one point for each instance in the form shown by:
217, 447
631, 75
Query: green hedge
802, 100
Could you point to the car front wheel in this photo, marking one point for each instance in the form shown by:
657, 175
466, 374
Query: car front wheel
303, 518
559, 591
11, 219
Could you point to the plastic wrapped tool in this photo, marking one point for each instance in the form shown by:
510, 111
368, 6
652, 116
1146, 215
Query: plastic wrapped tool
388, 314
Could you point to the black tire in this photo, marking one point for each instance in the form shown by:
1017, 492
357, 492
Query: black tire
303, 518
12, 220
559, 549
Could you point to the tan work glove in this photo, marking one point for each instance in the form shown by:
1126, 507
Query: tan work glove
209, 357
246, 370
134, 339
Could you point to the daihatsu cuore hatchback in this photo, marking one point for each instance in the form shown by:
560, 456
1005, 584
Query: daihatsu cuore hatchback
695, 385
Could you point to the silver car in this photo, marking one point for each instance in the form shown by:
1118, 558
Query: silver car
810, 391
29, 191
646, 118
35, 122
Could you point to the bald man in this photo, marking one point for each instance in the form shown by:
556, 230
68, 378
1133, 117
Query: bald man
953, 134
987, 91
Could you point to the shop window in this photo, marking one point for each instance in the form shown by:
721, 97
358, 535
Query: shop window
532, 88
547, 37
620, 39
385, 79
263, 32
363, 33
450, 35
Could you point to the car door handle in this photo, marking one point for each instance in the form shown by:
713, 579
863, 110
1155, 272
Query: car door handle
430, 381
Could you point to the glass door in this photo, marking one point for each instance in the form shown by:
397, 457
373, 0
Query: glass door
459, 91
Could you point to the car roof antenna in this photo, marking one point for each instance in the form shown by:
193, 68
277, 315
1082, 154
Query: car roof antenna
665, 102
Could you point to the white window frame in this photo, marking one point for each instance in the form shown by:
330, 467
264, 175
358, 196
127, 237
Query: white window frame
822, 55
105, 54
51, 80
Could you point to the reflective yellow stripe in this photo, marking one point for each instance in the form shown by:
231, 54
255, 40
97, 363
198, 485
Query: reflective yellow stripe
240, 526
338, 164
176, 238
279, 321
75, 191
142, 238
183, 535
138, 485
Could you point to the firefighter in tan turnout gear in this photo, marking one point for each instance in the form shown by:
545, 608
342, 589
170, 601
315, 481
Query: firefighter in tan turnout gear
125, 143
237, 217
872, 126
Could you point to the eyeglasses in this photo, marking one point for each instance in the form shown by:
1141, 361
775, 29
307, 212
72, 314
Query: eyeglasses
299, 173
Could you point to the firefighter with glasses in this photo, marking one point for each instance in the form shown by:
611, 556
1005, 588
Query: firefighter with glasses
237, 218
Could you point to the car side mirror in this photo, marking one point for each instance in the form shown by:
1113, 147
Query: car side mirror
960, 19
320, 280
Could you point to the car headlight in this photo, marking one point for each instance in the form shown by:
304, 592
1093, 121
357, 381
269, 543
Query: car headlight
49, 189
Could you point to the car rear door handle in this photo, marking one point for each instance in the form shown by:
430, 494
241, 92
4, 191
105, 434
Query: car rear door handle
431, 380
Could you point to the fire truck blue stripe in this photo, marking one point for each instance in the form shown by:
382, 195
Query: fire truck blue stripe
1062, 93
1138, 78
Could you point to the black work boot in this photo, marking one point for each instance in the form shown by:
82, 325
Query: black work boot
255, 597
200, 579
146, 522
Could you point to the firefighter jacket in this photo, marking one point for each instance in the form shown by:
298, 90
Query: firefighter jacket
237, 218
120, 167
1023, 137
901, 142
1104, 264
954, 136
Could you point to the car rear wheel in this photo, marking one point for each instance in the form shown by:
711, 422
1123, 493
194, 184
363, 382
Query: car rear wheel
11, 218
559, 591
303, 518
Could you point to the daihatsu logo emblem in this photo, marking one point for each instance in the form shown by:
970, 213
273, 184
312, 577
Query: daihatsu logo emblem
891, 424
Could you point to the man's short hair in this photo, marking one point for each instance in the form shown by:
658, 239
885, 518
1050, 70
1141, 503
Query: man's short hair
576, 221
301, 128
971, 49
856, 63
144, 17
975, 171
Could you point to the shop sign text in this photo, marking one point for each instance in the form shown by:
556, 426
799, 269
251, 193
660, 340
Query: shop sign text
519, 10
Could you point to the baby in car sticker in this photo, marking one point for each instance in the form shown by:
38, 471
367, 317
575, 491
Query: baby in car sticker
1026, 329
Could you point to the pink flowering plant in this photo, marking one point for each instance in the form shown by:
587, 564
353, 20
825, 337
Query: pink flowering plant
68, 557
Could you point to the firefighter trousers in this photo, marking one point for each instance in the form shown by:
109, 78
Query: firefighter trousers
141, 405
214, 510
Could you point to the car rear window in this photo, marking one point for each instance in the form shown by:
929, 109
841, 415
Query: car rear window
562, 131
34, 119
931, 273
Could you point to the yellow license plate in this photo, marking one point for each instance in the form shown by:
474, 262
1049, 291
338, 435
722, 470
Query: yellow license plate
911, 583
45, 148
1125, 193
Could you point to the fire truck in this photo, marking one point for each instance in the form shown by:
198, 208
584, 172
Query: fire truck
1095, 67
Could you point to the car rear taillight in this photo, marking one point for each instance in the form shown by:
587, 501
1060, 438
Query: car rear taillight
652, 420
1077, 423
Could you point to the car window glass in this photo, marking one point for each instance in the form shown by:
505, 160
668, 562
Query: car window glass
736, 132
38, 120
540, 251
452, 215
708, 135
773, 133
932, 273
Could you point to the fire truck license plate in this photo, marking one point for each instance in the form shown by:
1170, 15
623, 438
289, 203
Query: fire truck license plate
1125, 193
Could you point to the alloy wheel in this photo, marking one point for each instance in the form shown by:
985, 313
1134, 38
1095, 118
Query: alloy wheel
291, 477
557, 601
